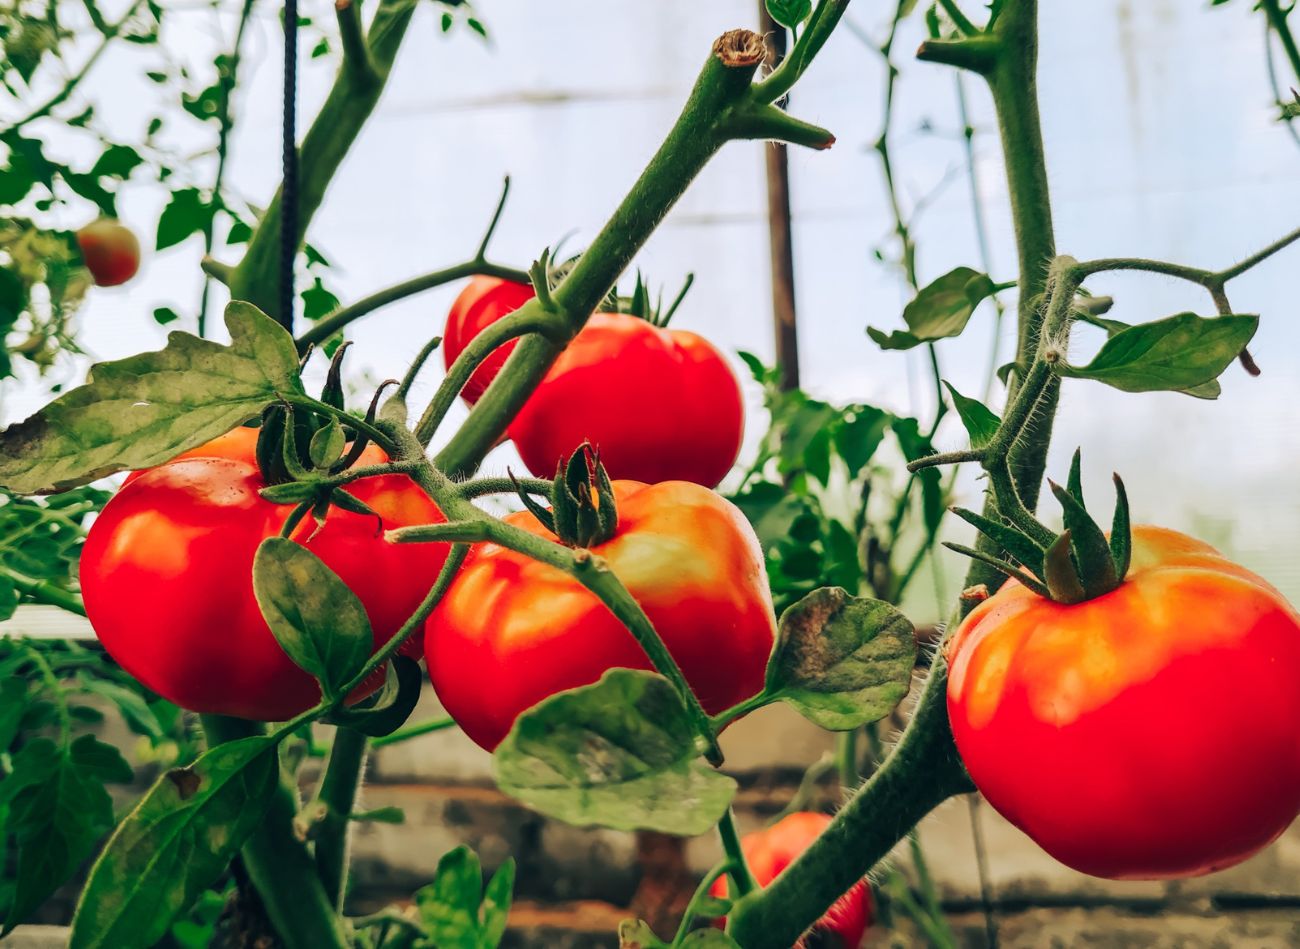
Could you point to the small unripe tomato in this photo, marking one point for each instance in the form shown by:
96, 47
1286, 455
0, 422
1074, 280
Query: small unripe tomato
110, 251
1150, 733
769, 851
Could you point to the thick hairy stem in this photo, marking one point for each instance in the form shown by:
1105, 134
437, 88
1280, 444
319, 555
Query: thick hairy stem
922, 771
338, 796
698, 134
346, 109
301, 911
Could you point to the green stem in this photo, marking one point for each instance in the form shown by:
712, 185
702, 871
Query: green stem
484, 486
338, 794
532, 317
1277, 20
42, 591
278, 864
414, 731
225, 122
701, 891
722, 87
742, 880
922, 771
336, 321
110, 32
846, 760
340, 120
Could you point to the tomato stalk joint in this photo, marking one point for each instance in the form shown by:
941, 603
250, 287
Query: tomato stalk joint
583, 512
1080, 564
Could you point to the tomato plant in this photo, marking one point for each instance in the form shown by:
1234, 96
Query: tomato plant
275, 559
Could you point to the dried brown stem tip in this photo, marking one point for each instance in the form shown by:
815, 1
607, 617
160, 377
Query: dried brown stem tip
737, 48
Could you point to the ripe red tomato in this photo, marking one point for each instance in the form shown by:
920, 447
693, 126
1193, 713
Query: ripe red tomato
511, 631
484, 300
769, 851
1150, 733
166, 574
110, 251
659, 404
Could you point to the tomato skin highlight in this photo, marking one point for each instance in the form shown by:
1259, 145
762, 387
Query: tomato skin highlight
770, 850
483, 301
1150, 733
166, 576
511, 631
238, 443
110, 251
659, 404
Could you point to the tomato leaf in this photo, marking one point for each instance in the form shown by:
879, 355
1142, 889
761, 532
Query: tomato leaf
619, 753
915, 444
1183, 353
186, 213
145, 409
456, 911
980, 421
385, 711
316, 619
175, 844
789, 13
58, 809
840, 660
940, 310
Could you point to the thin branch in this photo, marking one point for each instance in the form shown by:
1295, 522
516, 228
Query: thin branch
356, 51
110, 32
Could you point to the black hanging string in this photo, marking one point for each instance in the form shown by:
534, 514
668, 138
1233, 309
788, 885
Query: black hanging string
289, 158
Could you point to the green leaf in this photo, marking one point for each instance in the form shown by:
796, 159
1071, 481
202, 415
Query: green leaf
163, 315
619, 753
117, 161
455, 910
318, 301
175, 844
842, 661
58, 809
914, 445
1182, 353
940, 310
316, 619
790, 13
143, 410
327, 444
185, 214
980, 421
129, 702
13, 706
8, 601
858, 437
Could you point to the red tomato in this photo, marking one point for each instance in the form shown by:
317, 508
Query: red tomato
659, 404
484, 300
769, 851
511, 631
1150, 733
110, 251
166, 574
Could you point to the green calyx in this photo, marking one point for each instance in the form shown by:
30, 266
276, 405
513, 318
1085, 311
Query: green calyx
1080, 564
640, 305
583, 513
